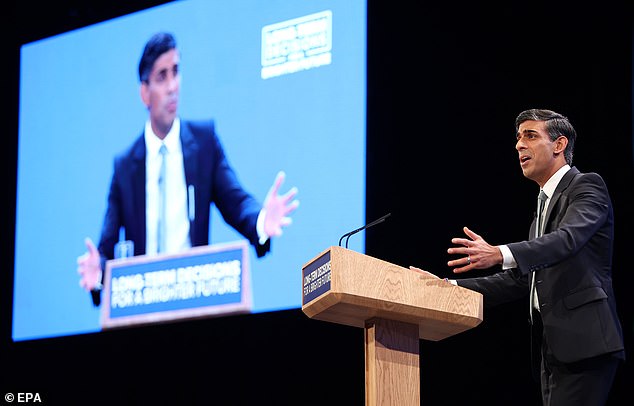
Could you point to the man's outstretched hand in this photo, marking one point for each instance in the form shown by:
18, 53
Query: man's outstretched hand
475, 251
278, 207
89, 267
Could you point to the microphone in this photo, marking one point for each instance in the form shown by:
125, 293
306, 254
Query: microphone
375, 222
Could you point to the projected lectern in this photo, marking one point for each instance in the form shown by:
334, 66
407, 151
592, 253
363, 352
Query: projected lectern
395, 306
205, 281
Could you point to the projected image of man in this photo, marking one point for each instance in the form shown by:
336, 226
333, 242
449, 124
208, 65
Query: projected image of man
164, 184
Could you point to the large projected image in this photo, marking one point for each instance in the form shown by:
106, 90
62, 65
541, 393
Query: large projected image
260, 105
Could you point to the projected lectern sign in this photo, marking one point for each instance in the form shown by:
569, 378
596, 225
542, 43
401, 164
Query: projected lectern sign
201, 282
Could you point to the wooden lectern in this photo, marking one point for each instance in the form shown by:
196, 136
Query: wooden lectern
395, 306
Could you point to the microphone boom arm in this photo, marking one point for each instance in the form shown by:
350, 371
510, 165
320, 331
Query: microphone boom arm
351, 233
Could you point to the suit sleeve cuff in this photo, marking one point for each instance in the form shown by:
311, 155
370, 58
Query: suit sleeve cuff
259, 226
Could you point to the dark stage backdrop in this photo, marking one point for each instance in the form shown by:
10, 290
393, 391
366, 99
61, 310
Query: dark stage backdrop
445, 82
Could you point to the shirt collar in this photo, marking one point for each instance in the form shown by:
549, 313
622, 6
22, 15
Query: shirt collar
171, 141
551, 184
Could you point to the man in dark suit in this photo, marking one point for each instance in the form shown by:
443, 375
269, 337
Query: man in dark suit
188, 159
565, 267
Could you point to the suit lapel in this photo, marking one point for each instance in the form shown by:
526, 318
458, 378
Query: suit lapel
190, 154
190, 162
138, 189
559, 190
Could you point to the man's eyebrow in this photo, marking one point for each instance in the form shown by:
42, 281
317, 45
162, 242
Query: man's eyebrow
528, 130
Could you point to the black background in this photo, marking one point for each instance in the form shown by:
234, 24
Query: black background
445, 82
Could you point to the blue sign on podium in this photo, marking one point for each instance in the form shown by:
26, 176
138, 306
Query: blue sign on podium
200, 282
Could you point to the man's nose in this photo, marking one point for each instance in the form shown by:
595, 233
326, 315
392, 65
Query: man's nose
519, 145
173, 83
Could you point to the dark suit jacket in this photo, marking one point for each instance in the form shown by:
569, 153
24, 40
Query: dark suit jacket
206, 169
573, 265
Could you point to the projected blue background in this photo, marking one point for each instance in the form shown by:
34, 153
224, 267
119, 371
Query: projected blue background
80, 106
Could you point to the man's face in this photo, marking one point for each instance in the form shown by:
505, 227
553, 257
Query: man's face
539, 157
160, 93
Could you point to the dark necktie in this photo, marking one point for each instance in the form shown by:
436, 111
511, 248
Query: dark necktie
541, 201
160, 240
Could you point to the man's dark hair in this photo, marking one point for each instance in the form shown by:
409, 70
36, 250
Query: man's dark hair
556, 125
154, 48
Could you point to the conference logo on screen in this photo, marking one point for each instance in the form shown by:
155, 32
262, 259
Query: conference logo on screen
296, 45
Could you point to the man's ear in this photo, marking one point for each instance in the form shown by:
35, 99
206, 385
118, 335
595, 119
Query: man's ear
145, 94
560, 144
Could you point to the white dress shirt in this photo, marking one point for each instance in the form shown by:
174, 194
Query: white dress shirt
177, 221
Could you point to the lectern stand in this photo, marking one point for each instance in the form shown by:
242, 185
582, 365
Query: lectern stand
395, 306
